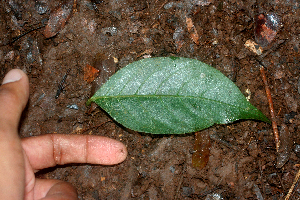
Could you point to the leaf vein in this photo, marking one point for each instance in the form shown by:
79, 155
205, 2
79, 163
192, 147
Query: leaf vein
170, 96
144, 82
166, 79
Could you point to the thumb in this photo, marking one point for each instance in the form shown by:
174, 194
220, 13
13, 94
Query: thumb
14, 93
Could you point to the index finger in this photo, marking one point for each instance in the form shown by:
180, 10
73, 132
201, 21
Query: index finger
58, 149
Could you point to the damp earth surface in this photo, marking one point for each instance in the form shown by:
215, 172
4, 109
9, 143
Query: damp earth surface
108, 35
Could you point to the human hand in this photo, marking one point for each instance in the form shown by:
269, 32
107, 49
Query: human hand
20, 159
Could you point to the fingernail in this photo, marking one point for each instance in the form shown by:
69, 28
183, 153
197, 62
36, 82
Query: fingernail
12, 76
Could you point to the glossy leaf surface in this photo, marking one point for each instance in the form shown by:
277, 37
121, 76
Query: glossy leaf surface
170, 95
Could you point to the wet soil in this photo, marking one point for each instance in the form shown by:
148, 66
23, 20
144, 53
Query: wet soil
108, 35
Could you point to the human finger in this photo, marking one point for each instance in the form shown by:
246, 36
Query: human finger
58, 149
14, 93
50, 189
13, 98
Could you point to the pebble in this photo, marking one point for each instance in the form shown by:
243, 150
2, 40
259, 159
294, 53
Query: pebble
73, 106
214, 196
297, 150
291, 102
10, 55
187, 191
41, 7
111, 30
279, 74
169, 5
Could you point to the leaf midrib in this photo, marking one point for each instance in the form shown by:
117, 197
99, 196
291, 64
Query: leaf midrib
171, 96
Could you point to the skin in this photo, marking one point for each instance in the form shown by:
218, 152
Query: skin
21, 158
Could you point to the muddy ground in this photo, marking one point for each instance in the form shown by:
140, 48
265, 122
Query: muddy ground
108, 35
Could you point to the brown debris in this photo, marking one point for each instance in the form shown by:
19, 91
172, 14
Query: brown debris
252, 46
201, 149
285, 148
293, 186
90, 73
192, 30
106, 66
58, 19
266, 27
178, 37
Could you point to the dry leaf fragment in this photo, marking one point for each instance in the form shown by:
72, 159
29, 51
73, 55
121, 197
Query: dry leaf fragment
266, 27
254, 47
58, 19
90, 73
192, 30
286, 144
201, 149
178, 36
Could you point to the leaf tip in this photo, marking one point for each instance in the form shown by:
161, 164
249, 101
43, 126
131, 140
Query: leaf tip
268, 121
264, 118
89, 102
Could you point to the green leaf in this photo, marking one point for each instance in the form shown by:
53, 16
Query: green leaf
173, 96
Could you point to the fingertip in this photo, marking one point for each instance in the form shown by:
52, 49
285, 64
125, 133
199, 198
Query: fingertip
14, 93
106, 151
13, 76
15, 85
120, 152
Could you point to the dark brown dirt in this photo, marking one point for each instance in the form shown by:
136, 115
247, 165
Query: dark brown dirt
112, 34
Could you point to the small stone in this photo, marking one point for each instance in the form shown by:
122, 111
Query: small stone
291, 102
41, 7
279, 74
10, 55
214, 196
187, 191
297, 150
73, 106
168, 5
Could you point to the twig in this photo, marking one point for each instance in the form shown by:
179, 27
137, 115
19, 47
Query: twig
61, 84
293, 186
23, 34
271, 107
20, 36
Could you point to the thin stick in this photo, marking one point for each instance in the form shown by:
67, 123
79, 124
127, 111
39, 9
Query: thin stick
273, 117
23, 34
293, 185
